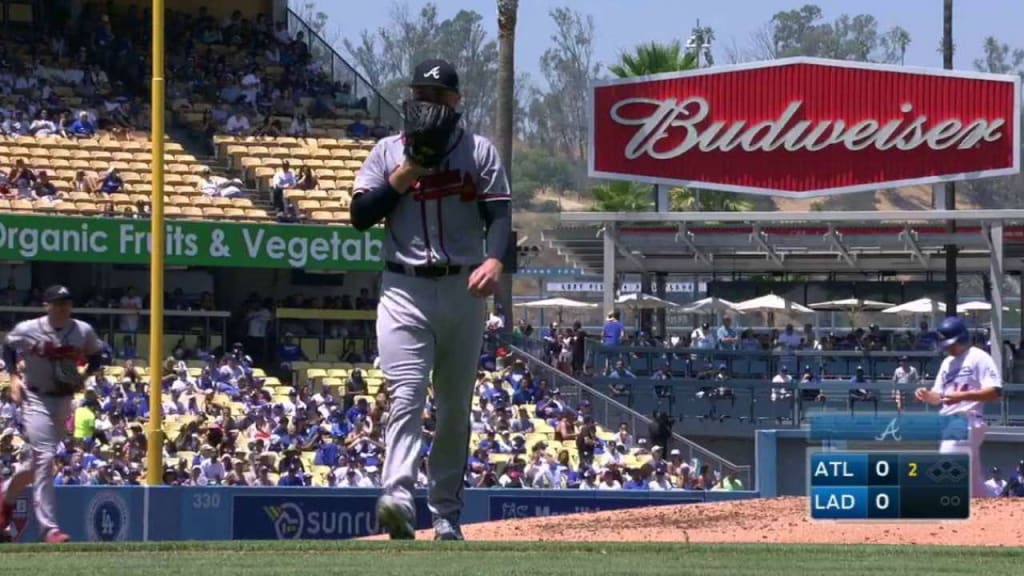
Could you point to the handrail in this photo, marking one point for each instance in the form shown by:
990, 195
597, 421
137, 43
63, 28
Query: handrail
123, 312
395, 116
678, 437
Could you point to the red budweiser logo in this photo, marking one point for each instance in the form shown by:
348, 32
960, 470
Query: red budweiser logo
805, 127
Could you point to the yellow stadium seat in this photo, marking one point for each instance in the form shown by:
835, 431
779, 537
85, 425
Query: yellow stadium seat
213, 212
201, 201
234, 213
192, 212
172, 211
256, 213
321, 216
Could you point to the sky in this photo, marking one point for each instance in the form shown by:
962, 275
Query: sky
621, 24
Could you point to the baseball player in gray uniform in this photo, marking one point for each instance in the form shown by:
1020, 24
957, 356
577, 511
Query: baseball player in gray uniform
51, 347
447, 228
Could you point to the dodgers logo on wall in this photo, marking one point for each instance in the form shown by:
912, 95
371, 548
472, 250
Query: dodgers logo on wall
107, 518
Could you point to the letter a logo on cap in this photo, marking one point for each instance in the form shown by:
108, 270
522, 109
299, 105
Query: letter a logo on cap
434, 73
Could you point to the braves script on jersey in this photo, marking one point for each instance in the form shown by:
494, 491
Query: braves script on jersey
438, 221
971, 370
42, 346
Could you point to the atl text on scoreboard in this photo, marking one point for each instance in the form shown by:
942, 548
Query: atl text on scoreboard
889, 486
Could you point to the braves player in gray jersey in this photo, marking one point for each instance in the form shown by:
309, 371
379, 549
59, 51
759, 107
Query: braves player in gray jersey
432, 310
50, 347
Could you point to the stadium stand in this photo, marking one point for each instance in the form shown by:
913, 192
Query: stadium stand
247, 97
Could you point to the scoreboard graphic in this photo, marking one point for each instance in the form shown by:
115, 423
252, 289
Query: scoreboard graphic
889, 486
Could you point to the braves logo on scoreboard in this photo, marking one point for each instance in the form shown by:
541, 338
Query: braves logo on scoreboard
791, 128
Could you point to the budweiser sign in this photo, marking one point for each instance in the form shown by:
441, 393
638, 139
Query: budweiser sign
804, 127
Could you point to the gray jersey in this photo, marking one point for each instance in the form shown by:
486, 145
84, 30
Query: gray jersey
44, 347
438, 221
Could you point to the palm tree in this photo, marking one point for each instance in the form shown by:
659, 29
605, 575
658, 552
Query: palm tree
622, 196
654, 58
505, 125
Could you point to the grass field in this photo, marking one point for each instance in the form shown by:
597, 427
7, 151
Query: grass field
469, 558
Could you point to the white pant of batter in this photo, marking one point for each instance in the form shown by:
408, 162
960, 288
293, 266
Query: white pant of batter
975, 438
45, 419
422, 325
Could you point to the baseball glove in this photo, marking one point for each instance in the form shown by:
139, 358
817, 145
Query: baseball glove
66, 377
428, 129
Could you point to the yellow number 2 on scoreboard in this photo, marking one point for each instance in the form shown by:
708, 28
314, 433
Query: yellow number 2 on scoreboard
913, 469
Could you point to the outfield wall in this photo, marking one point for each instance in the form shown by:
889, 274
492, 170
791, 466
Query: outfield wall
223, 513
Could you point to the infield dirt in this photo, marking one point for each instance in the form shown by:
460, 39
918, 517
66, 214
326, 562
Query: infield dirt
993, 522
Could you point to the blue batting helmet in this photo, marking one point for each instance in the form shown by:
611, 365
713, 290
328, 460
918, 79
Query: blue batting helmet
952, 330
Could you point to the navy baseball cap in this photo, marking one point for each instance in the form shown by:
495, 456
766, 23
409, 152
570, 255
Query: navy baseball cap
435, 73
56, 293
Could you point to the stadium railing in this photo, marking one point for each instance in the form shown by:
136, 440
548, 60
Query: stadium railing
645, 360
610, 413
213, 324
341, 71
751, 401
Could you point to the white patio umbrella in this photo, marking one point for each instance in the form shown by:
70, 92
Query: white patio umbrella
770, 303
711, 305
638, 301
558, 304
919, 306
851, 304
976, 306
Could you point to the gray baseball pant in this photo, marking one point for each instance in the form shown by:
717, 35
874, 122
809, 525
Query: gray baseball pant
428, 324
45, 419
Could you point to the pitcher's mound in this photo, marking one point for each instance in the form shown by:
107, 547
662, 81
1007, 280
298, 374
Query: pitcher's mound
994, 522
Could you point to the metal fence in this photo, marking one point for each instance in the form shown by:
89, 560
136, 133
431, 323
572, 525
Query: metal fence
377, 106
612, 413
758, 402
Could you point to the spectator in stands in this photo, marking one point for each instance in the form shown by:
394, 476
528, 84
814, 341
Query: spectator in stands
218, 186
131, 302
85, 183
283, 180
289, 351
251, 86
727, 338
21, 176
927, 339
781, 384
996, 484
83, 127
608, 481
730, 483
270, 128
300, 125
237, 124
905, 374
611, 334
860, 394
42, 126
307, 180
357, 129
45, 190
112, 182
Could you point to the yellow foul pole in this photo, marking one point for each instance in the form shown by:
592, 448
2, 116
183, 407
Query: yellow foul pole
154, 458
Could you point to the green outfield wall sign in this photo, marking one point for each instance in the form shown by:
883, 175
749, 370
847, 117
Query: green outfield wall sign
190, 243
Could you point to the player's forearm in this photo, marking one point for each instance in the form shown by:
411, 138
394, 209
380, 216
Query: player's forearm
498, 216
370, 207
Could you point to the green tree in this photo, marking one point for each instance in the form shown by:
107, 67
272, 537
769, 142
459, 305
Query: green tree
654, 58
622, 196
999, 58
386, 57
688, 199
804, 32
536, 169
569, 67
